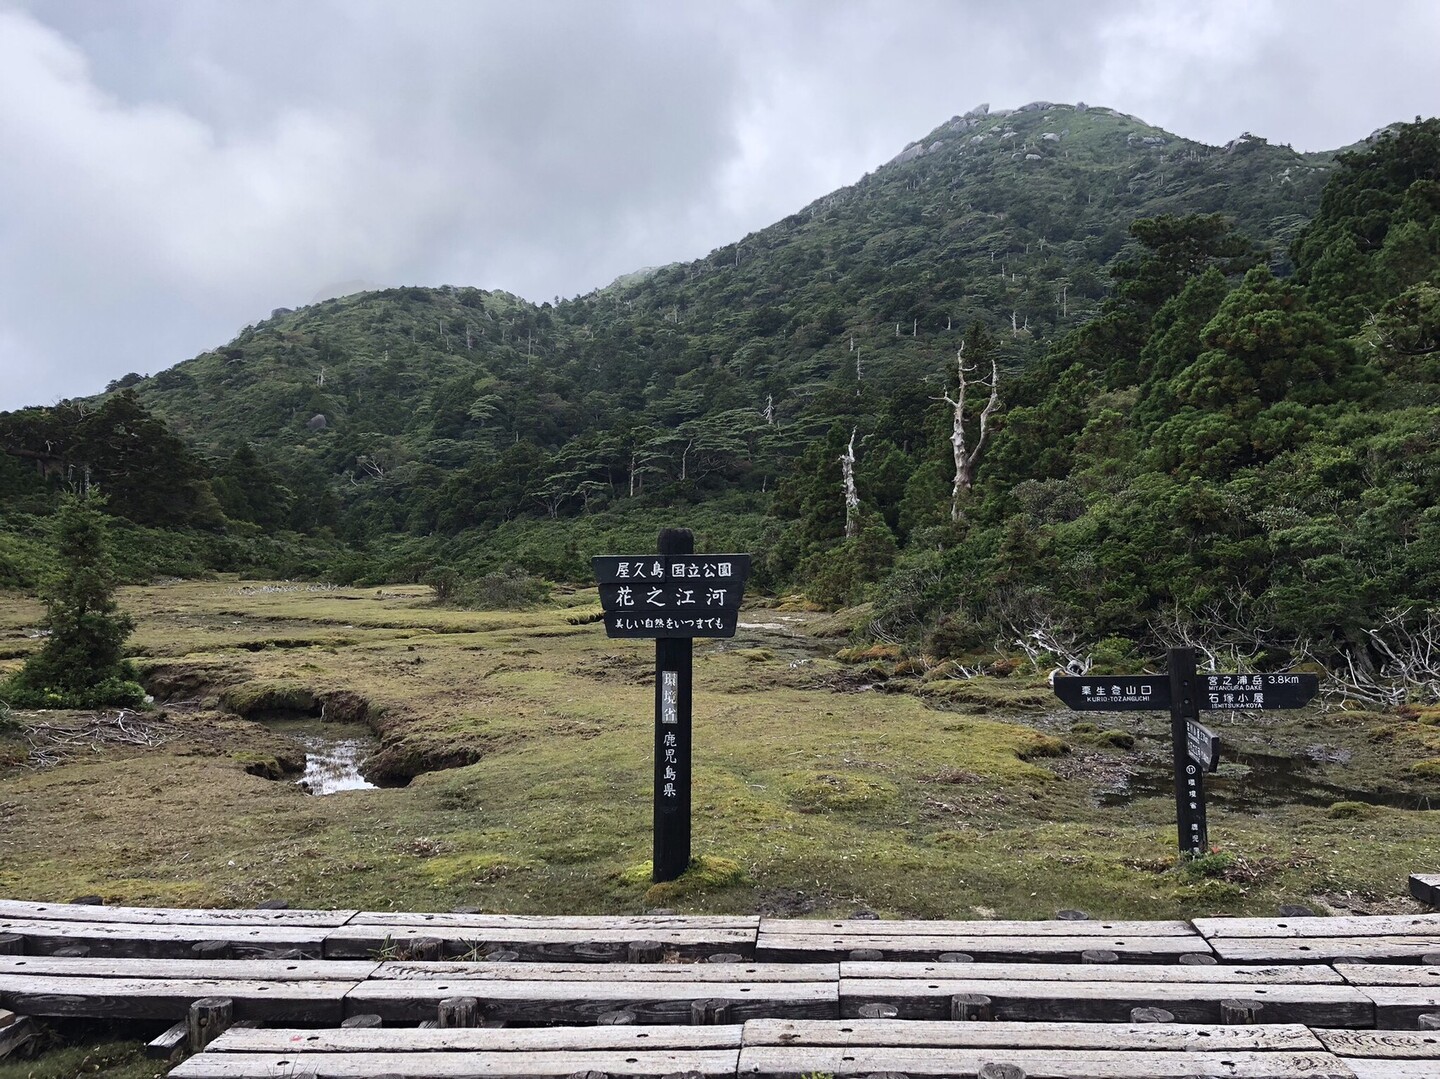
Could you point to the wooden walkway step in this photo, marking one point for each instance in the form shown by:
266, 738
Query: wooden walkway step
618, 1051
83, 912
1043, 1050
542, 940
654, 993
1105, 993
1040, 941
1385, 1054
1425, 887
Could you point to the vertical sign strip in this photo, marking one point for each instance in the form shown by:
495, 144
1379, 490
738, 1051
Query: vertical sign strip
673, 662
1189, 778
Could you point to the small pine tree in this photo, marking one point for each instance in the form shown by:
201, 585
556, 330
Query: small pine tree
81, 664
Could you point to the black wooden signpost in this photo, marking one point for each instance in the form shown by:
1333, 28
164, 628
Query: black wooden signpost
1184, 693
673, 596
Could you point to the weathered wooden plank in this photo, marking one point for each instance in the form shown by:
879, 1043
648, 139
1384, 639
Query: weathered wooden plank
765, 1062
163, 1046
1394, 949
120, 998
84, 912
1388, 974
1379, 925
1398, 1007
1170, 1037
1191, 1002
1426, 888
640, 1064
473, 1039
1107, 972
1391, 1069
563, 1002
814, 947
364, 941
711, 973
1401, 1044
160, 941
635, 926
18, 1035
266, 970
1015, 928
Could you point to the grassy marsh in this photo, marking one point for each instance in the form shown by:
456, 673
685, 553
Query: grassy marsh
829, 786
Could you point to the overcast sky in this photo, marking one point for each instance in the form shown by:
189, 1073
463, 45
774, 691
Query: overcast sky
171, 170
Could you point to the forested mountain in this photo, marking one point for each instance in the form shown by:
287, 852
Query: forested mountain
1216, 399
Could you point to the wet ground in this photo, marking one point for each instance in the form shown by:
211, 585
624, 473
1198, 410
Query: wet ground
335, 753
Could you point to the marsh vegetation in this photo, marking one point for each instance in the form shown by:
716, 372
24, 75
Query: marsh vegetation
512, 765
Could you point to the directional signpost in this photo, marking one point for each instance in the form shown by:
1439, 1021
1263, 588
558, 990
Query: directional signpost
1184, 693
673, 596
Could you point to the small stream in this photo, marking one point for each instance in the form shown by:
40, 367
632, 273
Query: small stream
334, 753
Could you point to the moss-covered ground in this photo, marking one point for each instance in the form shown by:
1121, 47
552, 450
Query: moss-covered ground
821, 786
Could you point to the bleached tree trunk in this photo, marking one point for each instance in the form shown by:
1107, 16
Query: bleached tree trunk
966, 456
852, 498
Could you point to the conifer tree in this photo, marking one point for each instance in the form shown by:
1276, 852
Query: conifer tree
81, 664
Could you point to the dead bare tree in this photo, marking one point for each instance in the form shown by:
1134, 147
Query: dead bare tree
967, 457
852, 498
1398, 662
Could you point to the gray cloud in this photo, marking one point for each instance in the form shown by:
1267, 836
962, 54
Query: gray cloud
174, 170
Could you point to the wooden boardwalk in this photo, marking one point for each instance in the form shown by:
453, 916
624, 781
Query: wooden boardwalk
352, 993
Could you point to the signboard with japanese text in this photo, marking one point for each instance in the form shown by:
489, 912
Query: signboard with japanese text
1149, 693
1185, 693
671, 595
650, 569
1234, 692
671, 623
1203, 745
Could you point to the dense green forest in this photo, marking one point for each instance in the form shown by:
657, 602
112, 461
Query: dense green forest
1216, 413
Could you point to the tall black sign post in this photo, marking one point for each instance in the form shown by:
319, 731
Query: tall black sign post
1185, 693
673, 596
1189, 778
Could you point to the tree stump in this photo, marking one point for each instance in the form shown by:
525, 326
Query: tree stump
72, 951
1001, 1071
1198, 959
361, 1022
955, 957
710, 1012
1430, 1021
1239, 1013
426, 949
211, 949
1098, 955
1431, 959
726, 957
501, 955
454, 1012
1151, 1015
209, 1018
645, 951
88, 901
866, 955
273, 904
620, 1017
1072, 916
12, 944
878, 1011
970, 1008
